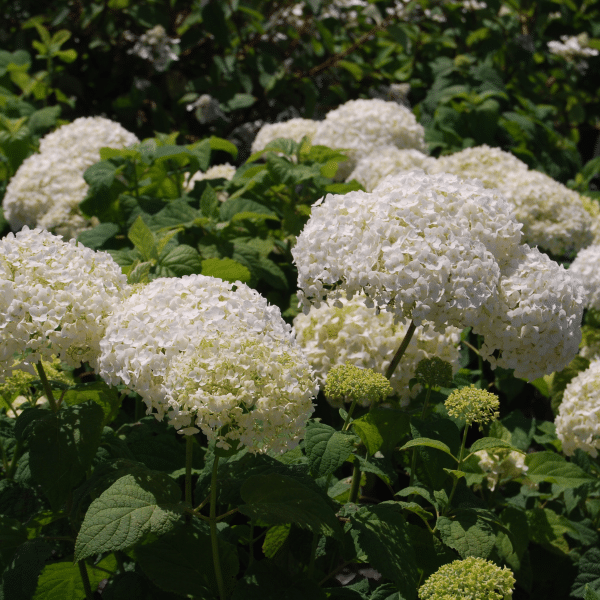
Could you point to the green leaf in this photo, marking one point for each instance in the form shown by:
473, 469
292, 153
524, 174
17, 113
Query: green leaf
209, 203
182, 260
279, 499
143, 239
430, 444
12, 535
326, 448
553, 468
100, 176
99, 392
381, 429
275, 538
226, 269
590, 594
547, 529
129, 509
240, 101
42, 120
352, 68
61, 448
234, 206
217, 143
96, 237
380, 535
467, 534
489, 443
19, 580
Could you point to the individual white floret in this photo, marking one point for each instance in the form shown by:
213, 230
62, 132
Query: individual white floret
56, 297
426, 247
578, 420
501, 465
389, 160
360, 126
533, 319
586, 267
171, 316
294, 129
353, 333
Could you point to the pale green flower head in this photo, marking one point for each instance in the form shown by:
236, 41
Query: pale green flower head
473, 405
353, 383
434, 372
469, 579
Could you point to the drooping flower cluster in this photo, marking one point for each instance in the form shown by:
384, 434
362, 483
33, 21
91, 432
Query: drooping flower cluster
389, 160
294, 129
473, 578
578, 420
154, 46
47, 188
501, 464
473, 405
361, 126
586, 267
212, 356
355, 334
55, 298
553, 216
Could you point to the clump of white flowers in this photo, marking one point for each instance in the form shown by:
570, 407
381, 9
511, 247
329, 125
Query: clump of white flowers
572, 48
355, 334
294, 129
500, 465
55, 299
47, 188
212, 355
578, 420
154, 46
389, 160
586, 268
473, 578
361, 126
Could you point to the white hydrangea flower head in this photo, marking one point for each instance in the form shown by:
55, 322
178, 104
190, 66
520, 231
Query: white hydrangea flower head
426, 247
360, 126
240, 385
388, 160
169, 317
500, 465
294, 129
534, 319
82, 140
586, 267
578, 420
356, 334
56, 297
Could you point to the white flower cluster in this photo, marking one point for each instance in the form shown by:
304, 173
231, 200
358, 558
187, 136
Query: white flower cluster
212, 355
224, 171
294, 129
388, 160
437, 248
47, 188
55, 298
154, 46
554, 217
353, 333
578, 420
572, 47
362, 126
500, 465
586, 267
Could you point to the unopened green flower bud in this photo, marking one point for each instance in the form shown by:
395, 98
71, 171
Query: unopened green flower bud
473, 405
434, 372
473, 578
352, 383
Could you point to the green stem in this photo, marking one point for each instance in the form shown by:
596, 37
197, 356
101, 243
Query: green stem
348, 415
401, 350
189, 455
413, 461
10, 472
355, 486
46, 386
86, 580
460, 459
213, 529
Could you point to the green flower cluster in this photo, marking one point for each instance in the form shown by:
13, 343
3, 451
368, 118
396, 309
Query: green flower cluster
473, 405
353, 383
469, 579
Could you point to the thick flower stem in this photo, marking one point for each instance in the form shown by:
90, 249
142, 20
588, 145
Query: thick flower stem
460, 459
401, 350
46, 386
86, 580
213, 529
355, 486
189, 455
348, 415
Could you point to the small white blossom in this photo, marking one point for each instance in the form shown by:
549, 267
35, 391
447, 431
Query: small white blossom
578, 420
154, 46
294, 129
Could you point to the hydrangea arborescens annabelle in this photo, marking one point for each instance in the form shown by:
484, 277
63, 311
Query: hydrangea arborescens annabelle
472, 578
355, 334
586, 268
354, 384
473, 405
361, 126
47, 188
201, 333
578, 420
500, 465
294, 129
55, 298
534, 318
425, 247
389, 160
